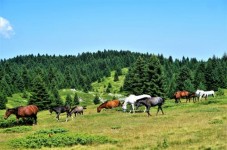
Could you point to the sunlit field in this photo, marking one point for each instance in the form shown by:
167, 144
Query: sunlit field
201, 125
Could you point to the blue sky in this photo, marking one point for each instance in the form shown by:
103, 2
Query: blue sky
177, 28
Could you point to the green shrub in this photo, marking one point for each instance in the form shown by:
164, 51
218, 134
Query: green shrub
58, 138
220, 92
19, 129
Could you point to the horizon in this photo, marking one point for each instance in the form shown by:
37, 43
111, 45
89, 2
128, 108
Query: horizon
190, 29
76, 55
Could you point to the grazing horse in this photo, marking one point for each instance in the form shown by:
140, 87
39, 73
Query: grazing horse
181, 94
23, 112
76, 110
151, 102
207, 93
109, 105
131, 99
193, 96
60, 109
199, 94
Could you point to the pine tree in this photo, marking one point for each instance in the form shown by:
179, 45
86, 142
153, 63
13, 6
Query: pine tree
96, 100
199, 78
76, 100
154, 78
3, 101
116, 78
68, 101
56, 101
184, 74
135, 79
40, 96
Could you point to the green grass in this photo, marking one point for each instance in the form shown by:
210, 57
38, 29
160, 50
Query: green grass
184, 126
200, 125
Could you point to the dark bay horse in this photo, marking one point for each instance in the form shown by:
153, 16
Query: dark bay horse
193, 96
181, 94
23, 112
60, 109
151, 102
109, 105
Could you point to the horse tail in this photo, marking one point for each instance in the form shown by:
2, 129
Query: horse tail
84, 107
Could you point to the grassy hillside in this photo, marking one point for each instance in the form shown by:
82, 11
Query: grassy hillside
100, 87
200, 125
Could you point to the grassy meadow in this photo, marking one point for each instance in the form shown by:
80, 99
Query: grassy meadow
201, 125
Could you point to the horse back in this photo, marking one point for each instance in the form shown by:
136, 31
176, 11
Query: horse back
154, 101
27, 110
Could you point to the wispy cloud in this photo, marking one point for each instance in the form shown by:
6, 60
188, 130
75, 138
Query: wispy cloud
6, 30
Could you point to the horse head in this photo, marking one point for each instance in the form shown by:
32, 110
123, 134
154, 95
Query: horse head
99, 109
9, 112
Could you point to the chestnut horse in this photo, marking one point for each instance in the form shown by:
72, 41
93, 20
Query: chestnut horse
23, 112
181, 94
109, 105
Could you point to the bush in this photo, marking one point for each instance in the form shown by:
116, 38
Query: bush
220, 92
58, 138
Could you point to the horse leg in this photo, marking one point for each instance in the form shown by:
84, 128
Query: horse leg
58, 116
160, 107
35, 120
148, 111
133, 109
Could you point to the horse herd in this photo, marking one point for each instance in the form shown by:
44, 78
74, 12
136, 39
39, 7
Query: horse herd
198, 94
134, 100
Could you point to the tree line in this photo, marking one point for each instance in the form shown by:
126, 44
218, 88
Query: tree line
43, 75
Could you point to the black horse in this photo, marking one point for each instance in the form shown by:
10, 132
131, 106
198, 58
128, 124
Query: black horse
60, 109
150, 102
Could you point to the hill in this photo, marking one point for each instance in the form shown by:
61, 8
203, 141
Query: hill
200, 125
93, 73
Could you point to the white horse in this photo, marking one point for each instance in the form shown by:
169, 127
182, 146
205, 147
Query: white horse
199, 94
207, 93
131, 99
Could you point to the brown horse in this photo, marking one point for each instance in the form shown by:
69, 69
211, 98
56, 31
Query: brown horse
109, 105
181, 94
23, 112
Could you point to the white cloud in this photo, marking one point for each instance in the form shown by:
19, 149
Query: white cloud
6, 30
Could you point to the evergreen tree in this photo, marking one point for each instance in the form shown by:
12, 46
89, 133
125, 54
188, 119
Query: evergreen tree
211, 75
40, 96
116, 78
134, 81
3, 101
154, 79
68, 101
199, 78
76, 100
184, 74
96, 100
56, 101
5, 88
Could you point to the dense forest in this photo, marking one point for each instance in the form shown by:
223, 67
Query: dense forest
45, 74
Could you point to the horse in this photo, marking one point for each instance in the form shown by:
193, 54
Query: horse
207, 93
23, 112
60, 109
193, 96
181, 94
131, 99
199, 94
76, 110
109, 105
151, 102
